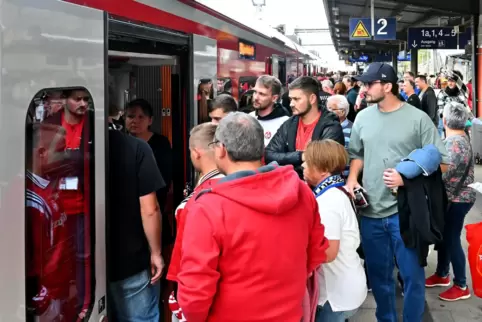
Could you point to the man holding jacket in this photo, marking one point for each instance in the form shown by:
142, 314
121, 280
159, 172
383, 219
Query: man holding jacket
309, 122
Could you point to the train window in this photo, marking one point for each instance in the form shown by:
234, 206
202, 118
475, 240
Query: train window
246, 83
59, 205
205, 96
225, 86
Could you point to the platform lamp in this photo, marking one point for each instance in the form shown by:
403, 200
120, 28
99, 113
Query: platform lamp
259, 4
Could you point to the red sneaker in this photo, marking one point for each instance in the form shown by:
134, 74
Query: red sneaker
455, 293
436, 280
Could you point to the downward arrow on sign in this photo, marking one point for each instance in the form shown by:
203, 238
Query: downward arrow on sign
414, 45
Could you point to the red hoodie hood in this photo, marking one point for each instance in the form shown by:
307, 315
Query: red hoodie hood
271, 190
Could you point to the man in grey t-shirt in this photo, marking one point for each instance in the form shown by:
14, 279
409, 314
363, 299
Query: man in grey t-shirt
381, 136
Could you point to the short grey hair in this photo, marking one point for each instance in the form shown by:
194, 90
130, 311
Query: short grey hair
455, 115
340, 101
327, 83
242, 136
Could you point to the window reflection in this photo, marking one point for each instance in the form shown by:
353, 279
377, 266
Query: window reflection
59, 212
205, 95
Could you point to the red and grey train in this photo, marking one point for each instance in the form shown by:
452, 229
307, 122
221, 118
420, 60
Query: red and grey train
114, 51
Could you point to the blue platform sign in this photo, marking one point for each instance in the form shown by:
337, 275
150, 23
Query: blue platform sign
465, 38
385, 29
361, 28
438, 38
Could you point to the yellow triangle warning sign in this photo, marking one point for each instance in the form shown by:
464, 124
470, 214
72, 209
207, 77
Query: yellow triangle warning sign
360, 31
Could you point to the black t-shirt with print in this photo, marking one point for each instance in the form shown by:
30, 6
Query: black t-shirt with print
133, 173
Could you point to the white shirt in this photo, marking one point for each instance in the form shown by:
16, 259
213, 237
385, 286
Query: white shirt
341, 282
270, 127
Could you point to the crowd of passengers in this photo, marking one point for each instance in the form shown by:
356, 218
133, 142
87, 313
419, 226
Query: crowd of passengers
256, 243
298, 210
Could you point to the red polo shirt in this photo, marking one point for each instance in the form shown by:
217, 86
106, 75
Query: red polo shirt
70, 191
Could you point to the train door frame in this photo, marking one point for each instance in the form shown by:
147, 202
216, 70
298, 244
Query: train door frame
42, 56
278, 68
203, 66
156, 40
119, 29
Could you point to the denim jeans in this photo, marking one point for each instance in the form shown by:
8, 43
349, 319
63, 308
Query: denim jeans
440, 127
450, 250
381, 241
136, 299
325, 314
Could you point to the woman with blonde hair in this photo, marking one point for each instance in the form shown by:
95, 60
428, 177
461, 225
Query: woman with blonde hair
342, 282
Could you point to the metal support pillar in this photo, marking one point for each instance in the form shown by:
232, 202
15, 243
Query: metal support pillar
372, 13
476, 66
477, 58
414, 61
395, 61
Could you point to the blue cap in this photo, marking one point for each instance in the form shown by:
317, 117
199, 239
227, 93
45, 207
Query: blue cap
409, 169
421, 161
378, 72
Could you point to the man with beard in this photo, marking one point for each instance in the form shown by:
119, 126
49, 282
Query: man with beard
451, 93
269, 113
309, 122
382, 135
75, 118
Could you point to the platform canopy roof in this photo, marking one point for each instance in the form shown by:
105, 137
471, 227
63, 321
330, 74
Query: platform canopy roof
409, 13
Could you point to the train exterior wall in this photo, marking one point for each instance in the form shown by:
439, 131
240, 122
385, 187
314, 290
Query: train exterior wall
193, 18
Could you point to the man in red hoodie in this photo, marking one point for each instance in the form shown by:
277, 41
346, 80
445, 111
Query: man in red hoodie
252, 239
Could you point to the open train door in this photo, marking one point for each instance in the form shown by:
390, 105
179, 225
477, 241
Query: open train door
205, 68
53, 254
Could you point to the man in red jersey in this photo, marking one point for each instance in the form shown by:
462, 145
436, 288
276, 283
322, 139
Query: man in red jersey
50, 256
202, 158
74, 118
310, 121
252, 239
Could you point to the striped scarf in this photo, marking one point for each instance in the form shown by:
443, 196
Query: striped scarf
208, 176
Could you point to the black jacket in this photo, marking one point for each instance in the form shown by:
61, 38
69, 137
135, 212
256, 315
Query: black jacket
414, 100
282, 147
429, 105
422, 204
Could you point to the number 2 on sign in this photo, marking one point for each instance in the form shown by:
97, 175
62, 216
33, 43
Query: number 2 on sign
381, 30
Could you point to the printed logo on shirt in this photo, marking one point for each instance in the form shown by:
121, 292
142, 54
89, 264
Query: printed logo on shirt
267, 135
61, 221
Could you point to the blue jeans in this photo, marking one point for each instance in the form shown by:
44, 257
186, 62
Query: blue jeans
450, 250
325, 314
381, 241
136, 299
440, 127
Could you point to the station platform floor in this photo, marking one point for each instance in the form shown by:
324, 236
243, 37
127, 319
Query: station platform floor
436, 310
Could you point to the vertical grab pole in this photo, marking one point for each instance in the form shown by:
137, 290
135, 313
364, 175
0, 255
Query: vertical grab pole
372, 10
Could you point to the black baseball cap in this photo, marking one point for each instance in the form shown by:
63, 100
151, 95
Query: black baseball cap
378, 72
